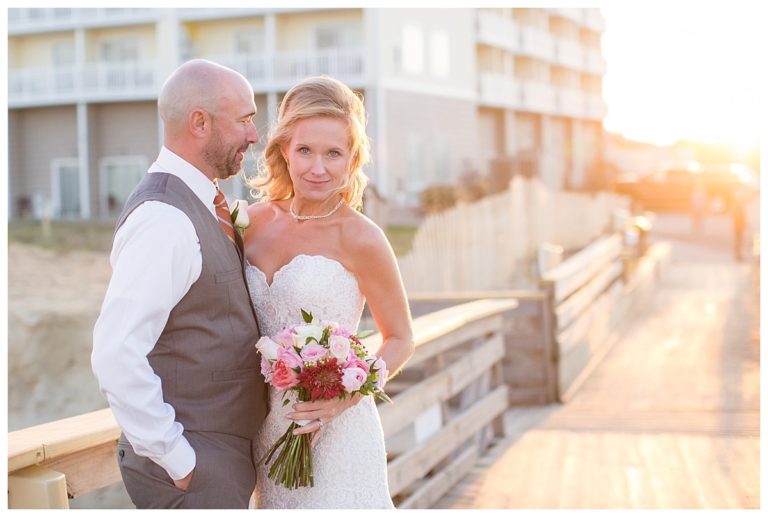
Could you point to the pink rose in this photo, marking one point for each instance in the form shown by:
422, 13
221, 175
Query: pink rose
283, 377
355, 362
289, 357
313, 352
381, 368
266, 369
353, 378
340, 331
284, 337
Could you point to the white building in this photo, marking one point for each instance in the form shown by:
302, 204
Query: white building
446, 90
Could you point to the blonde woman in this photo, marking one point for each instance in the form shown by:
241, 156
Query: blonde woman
309, 247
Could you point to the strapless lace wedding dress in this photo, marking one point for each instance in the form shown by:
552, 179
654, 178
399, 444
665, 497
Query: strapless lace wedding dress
350, 464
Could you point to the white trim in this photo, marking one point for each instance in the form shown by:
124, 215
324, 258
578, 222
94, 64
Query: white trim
436, 90
84, 160
56, 165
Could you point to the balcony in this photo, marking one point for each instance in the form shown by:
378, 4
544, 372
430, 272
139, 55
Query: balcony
141, 80
283, 70
571, 103
596, 107
89, 82
569, 54
500, 91
497, 31
39, 19
537, 43
593, 20
573, 14
594, 62
538, 97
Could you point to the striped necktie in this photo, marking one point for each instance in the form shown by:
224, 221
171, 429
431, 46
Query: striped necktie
222, 214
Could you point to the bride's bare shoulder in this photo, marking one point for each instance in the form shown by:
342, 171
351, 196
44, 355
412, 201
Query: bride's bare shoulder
363, 235
264, 210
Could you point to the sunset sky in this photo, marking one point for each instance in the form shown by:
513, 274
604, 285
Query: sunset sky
684, 73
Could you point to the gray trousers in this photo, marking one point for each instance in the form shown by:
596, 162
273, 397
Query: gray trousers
224, 476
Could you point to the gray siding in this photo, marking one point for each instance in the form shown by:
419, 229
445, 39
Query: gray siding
37, 136
445, 131
120, 129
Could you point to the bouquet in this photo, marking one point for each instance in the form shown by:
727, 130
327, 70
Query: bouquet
316, 360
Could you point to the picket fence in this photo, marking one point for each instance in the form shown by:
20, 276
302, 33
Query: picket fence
491, 244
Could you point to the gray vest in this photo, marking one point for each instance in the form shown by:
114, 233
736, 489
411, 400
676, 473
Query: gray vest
205, 356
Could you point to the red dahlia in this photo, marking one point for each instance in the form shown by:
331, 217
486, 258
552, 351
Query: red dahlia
322, 380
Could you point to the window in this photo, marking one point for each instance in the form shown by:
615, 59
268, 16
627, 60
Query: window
120, 50
119, 175
337, 36
63, 53
249, 42
413, 50
65, 174
439, 54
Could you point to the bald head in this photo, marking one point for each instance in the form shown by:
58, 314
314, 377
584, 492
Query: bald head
197, 84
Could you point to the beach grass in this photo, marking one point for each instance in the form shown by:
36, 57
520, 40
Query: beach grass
63, 236
68, 236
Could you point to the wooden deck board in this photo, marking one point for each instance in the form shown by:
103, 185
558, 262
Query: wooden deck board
669, 419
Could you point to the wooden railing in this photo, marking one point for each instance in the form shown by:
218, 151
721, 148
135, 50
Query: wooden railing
448, 406
559, 332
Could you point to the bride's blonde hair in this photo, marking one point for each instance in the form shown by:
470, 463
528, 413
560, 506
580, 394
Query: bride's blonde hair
320, 96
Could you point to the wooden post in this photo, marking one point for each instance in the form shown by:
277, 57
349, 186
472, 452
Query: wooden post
37, 487
548, 322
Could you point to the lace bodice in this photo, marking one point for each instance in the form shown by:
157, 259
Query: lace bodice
350, 464
314, 283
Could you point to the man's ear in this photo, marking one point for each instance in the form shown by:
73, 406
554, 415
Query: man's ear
199, 122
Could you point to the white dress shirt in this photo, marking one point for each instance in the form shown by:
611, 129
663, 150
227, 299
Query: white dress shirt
155, 259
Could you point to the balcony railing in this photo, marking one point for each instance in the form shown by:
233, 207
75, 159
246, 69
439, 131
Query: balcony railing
91, 81
284, 69
498, 31
538, 97
593, 19
56, 18
594, 62
537, 43
500, 91
573, 14
571, 103
569, 54
596, 107
141, 80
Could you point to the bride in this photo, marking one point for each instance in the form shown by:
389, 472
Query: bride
308, 247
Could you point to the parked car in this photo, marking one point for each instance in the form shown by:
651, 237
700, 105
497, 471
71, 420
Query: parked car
680, 187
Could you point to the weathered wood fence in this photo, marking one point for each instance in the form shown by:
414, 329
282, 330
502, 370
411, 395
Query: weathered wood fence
491, 243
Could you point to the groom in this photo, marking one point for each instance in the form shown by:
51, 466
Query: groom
173, 347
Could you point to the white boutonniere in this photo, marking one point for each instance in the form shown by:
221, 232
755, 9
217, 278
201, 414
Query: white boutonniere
239, 215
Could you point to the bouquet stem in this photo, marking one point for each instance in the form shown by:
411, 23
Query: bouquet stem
293, 466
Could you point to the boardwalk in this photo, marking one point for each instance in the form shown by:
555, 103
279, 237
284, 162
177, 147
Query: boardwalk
670, 418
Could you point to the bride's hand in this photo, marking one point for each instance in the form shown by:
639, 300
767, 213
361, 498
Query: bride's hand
320, 413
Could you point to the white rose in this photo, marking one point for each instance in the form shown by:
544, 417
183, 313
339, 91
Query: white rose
267, 348
242, 220
339, 347
305, 331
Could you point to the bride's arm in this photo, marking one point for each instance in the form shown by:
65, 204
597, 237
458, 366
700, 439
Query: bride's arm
370, 257
379, 279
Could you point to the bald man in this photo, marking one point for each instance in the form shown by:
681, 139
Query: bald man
173, 347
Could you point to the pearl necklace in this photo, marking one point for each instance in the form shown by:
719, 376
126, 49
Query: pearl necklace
307, 217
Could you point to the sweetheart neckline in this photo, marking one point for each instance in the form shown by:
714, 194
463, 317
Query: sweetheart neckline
284, 266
